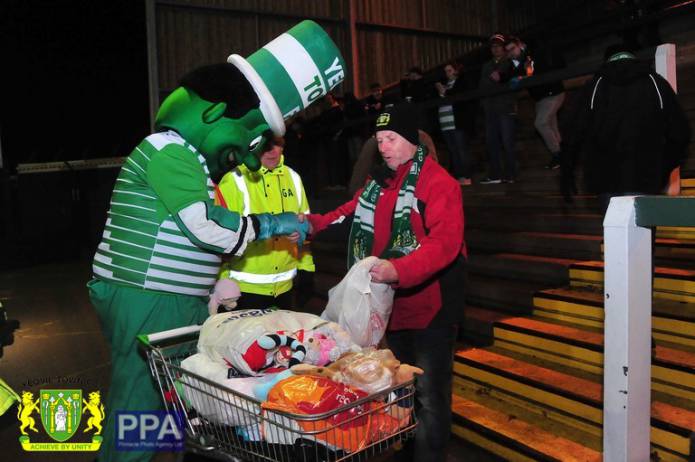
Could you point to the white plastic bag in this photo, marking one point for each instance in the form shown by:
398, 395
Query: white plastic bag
215, 405
226, 337
360, 306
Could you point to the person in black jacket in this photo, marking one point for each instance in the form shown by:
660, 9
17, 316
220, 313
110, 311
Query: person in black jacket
454, 122
548, 97
629, 128
500, 114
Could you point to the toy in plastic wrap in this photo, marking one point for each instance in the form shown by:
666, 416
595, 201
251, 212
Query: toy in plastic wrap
370, 370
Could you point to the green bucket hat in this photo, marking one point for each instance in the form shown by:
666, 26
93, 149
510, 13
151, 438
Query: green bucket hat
292, 71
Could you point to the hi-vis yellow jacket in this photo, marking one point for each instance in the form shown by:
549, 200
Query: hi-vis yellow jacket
267, 267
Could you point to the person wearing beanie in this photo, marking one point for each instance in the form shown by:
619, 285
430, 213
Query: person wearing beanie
410, 215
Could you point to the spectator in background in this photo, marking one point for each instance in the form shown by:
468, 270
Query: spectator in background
452, 120
413, 88
500, 114
629, 127
333, 155
375, 103
548, 97
353, 133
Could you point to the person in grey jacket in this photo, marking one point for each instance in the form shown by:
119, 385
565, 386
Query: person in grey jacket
500, 114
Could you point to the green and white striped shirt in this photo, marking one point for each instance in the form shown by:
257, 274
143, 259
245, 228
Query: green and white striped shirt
446, 113
142, 244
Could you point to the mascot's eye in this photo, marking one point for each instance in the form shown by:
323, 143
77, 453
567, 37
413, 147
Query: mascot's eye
256, 141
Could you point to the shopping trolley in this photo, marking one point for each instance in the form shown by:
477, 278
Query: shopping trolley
260, 434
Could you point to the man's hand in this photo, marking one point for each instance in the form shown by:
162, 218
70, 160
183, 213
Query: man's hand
302, 218
293, 238
384, 271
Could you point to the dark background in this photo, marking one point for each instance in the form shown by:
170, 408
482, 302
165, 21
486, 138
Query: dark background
75, 79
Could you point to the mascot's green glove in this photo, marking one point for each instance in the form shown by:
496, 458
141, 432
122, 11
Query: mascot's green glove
282, 224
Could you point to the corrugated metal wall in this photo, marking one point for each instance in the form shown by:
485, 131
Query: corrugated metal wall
390, 35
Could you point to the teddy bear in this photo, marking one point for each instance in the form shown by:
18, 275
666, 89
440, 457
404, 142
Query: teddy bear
226, 293
326, 343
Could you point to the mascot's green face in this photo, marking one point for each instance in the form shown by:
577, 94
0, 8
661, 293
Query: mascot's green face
222, 140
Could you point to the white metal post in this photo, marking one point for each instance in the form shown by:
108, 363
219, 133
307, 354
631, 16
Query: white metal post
665, 63
665, 66
627, 335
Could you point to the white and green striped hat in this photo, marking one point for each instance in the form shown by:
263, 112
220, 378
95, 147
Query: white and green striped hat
292, 71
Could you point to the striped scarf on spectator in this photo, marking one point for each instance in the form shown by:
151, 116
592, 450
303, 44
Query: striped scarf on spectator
403, 239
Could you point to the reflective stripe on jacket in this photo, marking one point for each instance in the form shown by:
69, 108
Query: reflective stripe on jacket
267, 267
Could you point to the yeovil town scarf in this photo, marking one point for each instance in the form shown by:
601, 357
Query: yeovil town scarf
403, 239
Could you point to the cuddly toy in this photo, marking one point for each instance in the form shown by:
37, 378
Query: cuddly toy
370, 370
225, 293
266, 352
327, 343
320, 346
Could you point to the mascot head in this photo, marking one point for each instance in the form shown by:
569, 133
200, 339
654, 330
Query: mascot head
216, 110
228, 111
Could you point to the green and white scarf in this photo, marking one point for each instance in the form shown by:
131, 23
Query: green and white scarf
403, 239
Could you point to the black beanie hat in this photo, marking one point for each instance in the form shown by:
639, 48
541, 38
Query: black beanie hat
400, 119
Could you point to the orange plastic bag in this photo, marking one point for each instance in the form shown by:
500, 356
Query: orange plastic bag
349, 430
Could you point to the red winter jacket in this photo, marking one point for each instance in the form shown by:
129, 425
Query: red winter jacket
418, 295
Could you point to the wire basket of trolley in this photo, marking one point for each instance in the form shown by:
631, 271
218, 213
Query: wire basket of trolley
277, 417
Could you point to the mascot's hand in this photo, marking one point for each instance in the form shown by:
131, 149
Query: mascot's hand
282, 224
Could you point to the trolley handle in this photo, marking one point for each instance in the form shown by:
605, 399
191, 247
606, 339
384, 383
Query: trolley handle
149, 339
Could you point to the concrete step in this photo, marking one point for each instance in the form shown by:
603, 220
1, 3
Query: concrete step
508, 435
668, 252
672, 321
534, 220
572, 400
675, 284
512, 297
553, 271
557, 245
673, 369
538, 201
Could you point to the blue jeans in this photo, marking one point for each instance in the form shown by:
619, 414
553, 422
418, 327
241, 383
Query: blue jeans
432, 350
458, 152
499, 133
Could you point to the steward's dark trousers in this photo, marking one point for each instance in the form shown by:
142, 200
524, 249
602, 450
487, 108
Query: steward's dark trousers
432, 350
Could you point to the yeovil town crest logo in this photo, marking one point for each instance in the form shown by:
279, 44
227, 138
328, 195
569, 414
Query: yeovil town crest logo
60, 412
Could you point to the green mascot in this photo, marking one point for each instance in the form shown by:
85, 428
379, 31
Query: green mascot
163, 240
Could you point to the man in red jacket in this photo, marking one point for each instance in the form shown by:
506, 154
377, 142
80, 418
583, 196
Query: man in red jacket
410, 214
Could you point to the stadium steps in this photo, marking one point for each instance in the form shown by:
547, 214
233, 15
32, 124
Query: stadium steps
568, 402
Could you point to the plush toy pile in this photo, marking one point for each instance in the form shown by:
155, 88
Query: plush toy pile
279, 362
